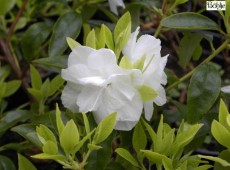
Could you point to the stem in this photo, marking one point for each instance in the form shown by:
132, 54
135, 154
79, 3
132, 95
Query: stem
83, 163
158, 30
210, 57
11, 30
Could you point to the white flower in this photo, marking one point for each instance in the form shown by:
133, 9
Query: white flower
225, 89
96, 83
153, 69
113, 4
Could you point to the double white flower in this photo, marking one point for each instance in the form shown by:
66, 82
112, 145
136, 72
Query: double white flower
96, 83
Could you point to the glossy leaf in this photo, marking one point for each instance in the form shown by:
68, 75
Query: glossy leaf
188, 21
59, 122
33, 39
147, 93
104, 128
24, 163
70, 131
187, 46
203, 91
50, 148
6, 163
127, 156
68, 25
91, 39
139, 140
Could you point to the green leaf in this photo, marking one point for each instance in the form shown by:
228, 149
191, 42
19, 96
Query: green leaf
125, 63
122, 32
4, 72
9, 88
69, 137
188, 21
50, 148
139, 64
72, 43
100, 41
6, 163
108, 37
147, 93
93, 147
33, 39
60, 124
28, 131
127, 156
104, 128
36, 80
45, 89
221, 134
91, 39
86, 123
178, 2
59, 158
24, 163
203, 167
68, 25
101, 157
225, 155
45, 134
6, 6
187, 47
12, 118
223, 115
203, 91
215, 159
157, 143
56, 62
139, 138
55, 84
227, 16
36, 93
197, 53
151, 132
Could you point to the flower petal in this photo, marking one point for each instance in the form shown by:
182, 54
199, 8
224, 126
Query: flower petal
113, 4
225, 89
148, 108
161, 98
69, 96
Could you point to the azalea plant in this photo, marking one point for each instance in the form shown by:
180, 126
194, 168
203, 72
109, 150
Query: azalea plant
114, 85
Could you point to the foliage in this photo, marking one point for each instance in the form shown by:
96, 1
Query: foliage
188, 132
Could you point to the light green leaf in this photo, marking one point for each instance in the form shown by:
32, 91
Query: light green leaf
104, 128
45, 134
203, 90
86, 123
93, 147
24, 163
178, 2
147, 93
100, 41
70, 131
45, 89
36, 93
91, 39
151, 132
125, 63
203, 167
159, 136
225, 155
68, 25
6, 6
127, 156
227, 16
10, 87
109, 37
139, 138
56, 62
223, 115
72, 43
139, 64
59, 158
36, 80
122, 32
60, 124
221, 134
215, 159
188, 21
4, 72
50, 148
55, 84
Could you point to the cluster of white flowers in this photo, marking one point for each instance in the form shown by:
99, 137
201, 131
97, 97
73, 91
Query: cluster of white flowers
95, 82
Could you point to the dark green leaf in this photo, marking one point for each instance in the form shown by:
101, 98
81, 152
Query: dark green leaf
203, 91
6, 6
68, 25
225, 155
187, 46
6, 163
4, 72
188, 21
33, 38
36, 80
